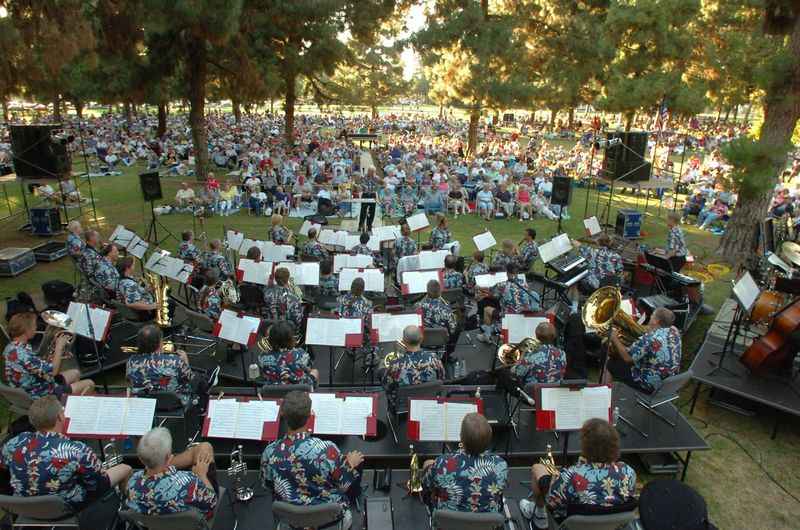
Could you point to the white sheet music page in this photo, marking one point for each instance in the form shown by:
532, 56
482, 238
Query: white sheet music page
111, 415
121, 236
302, 273
234, 239
327, 414
82, 412
429, 259
592, 225
255, 272
390, 327
272, 252
80, 322
596, 403
746, 290
355, 411
223, 414
307, 225
250, 425
418, 222
235, 328
430, 415
569, 409
454, 415
520, 326
360, 261
373, 279
484, 241
417, 281
139, 416
330, 331
138, 247
386, 233
487, 281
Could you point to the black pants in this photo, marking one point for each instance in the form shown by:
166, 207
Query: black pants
367, 213
574, 332
100, 509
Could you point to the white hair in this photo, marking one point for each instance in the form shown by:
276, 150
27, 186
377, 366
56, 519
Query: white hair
73, 225
155, 447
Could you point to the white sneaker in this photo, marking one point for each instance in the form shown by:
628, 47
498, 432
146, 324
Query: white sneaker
347, 520
526, 508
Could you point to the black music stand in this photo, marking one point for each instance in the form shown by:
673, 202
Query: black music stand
745, 292
96, 350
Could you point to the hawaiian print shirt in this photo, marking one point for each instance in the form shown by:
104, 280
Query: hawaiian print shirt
75, 246
362, 250
288, 367
315, 249
351, 306
25, 370
412, 368
218, 263
439, 238
501, 260
528, 254
89, 261
329, 285
172, 491
545, 364
602, 485
305, 470
475, 269
49, 463
517, 298
158, 372
130, 292
676, 242
188, 252
436, 313
656, 355
282, 304
280, 235
106, 275
453, 279
600, 263
210, 302
466, 483
404, 246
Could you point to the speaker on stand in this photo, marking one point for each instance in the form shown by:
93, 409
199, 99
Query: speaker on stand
561, 195
151, 191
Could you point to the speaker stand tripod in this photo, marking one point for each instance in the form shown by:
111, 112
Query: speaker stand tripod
152, 229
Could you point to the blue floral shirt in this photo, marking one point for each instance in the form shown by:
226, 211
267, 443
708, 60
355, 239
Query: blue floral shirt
475, 269
89, 261
129, 291
188, 252
412, 368
436, 313
453, 279
329, 285
210, 302
172, 491
280, 235
25, 370
466, 483
528, 254
656, 355
289, 367
602, 485
404, 246
545, 364
315, 249
48, 463
600, 264
501, 260
516, 298
106, 275
282, 304
159, 372
75, 246
218, 263
305, 470
676, 242
439, 238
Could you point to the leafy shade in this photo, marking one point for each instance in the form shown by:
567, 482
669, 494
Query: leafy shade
753, 164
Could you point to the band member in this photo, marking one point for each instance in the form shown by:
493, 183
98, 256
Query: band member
151, 370
440, 235
528, 250
362, 249
171, 483
470, 480
404, 246
599, 480
46, 462
286, 363
280, 301
676, 243
187, 251
74, 242
452, 278
508, 254
254, 253
33, 374
369, 186
475, 268
313, 248
279, 234
90, 257
412, 366
304, 470
106, 274
602, 263
209, 301
547, 363
514, 295
655, 356
354, 304
436, 313
328, 280
215, 260
129, 291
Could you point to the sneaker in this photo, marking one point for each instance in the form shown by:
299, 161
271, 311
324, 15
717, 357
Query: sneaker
526, 508
347, 520
483, 338
540, 519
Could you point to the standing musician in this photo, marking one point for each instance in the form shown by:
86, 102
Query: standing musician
286, 363
603, 264
436, 313
74, 242
187, 251
369, 186
440, 235
470, 480
412, 366
279, 234
151, 370
599, 483
281, 303
547, 363
215, 260
508, 254
172, 483
37, 376
655, 356
209, 301
528, 250
46, 462
130, 292
452, 278
304, 470
404, 246
676, 248
313, 248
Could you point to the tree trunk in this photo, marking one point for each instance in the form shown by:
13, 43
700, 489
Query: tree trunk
553, 114
629, 121
78, 108
57, 108
571, 116
719, 114
198, 66
375, 114
747, 114
271, 106
237, 110
472, 137
441, 111
727, 115
128, 116
735, 113
162, 120
5, 110
289, 79
781, 113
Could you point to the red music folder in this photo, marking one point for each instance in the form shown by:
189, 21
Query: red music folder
334, 410
531, 320
442, 417
237, 327
420, 276
564, 408
388, 327
340, 331
242, 417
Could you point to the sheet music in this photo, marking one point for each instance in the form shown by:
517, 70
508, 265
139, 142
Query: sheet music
255, 272
574, 407
487, 281
592, 225
358, 406
596, 402
373, 279
746, 291
237, 329
327, 415
222, 414
80, 321
157, 262
273, 252
139, 416
484, 241
251, 418
234, 239
420, 408
431, 420
390, 327
110, 416
335, 238
555, 247
360, 261
417, 281
306, 273
568, 409
246, 244
82, 414
454, 416
122, 236
138, 247
429, 259
331, 331
520, 326
418, 222
307, 225
386, 233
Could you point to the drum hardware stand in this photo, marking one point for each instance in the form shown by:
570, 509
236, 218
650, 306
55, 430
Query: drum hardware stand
734, 331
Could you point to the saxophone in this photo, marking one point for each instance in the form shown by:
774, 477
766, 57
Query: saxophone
160, 288
414, 484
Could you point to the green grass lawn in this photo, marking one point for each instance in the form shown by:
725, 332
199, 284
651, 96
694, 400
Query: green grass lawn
738, 491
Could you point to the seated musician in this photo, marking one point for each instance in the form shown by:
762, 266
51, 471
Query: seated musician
452, 278
470, 480
404, 245
475, 268
187, 251
598, 484
313, 248
90, 256
304, 470
412, 366
74, 242
254, 254
37, 376
151, 370
286, 363
436, 313
655, 356
279, 234
328, 280
362, 249
106, 274
528, 251
46, 462
209, 300
172, 483
603, 264
280, 301
547, 363
514, 295
508, 254
130, 292
215, 260
440, 235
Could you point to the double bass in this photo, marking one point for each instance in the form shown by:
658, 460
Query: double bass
775, 349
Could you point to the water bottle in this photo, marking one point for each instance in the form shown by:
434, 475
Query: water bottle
253, 372
478, 393
615, 416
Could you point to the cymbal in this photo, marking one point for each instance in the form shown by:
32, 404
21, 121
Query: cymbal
791, 251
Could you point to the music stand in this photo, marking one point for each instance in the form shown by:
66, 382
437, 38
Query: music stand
745, 292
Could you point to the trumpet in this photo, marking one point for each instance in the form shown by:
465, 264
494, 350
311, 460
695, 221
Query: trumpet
548, 462
237, 472
510, 354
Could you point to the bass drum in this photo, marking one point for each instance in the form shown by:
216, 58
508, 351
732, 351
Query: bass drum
767, 306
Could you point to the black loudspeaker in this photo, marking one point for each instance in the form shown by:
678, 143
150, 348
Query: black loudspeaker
37, 154
562, 191
45, 221
625, 160
151, 186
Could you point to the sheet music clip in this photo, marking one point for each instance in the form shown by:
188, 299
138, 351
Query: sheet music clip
220, 395
258, 393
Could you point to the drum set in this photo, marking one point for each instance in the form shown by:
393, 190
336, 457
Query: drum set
770, 302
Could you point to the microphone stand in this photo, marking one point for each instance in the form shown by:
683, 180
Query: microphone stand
96, 349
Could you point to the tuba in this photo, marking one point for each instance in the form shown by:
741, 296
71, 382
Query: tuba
414, 484
603, 310
237, 473
229, 293
160, 288
510, 354
57, 324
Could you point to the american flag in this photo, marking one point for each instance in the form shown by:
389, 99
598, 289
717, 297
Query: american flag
663, 115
